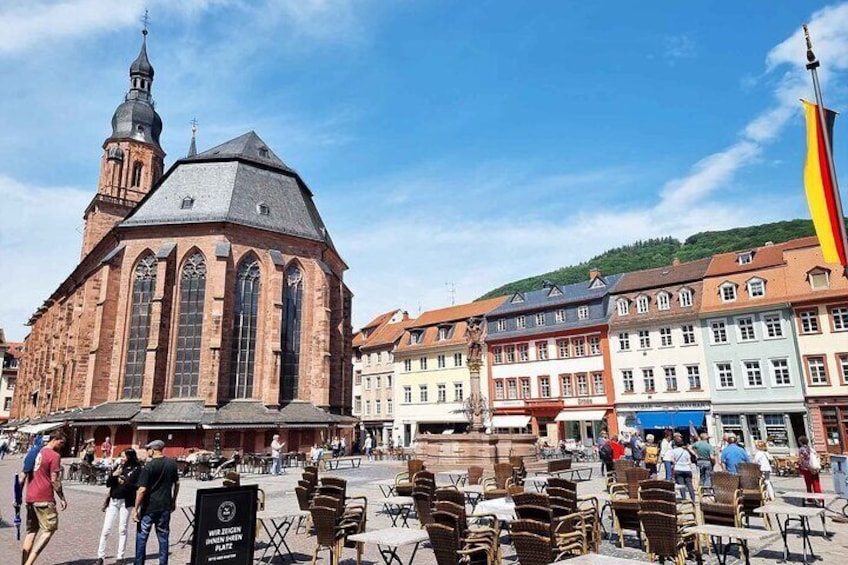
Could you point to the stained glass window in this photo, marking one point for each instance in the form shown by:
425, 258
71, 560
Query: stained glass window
144, 284
190, 330
244, 328
292, 311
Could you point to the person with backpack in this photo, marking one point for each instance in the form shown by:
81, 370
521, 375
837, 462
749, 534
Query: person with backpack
809, 464
652, 455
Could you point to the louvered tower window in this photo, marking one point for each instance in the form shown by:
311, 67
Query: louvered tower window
244, 328
144, 284
190, 331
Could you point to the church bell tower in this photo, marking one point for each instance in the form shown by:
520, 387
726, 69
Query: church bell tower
132, 158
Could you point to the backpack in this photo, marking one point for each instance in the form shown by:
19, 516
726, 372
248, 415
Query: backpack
814, 464
605, 453
652, 454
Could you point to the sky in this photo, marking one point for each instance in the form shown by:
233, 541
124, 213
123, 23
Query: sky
450, 145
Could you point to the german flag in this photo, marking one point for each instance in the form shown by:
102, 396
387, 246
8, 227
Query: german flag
818, 183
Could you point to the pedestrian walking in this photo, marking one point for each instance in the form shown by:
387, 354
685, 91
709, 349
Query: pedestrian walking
637, 448
732, 455
617, 448
106, 449
809, 464
666, 446
43, 485
122, 484
369, 447
705, 460
681, 458
605, 454
652, 455
155, 500
763, 458
276, 455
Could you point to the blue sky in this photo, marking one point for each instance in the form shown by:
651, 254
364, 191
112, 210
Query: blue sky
463, 142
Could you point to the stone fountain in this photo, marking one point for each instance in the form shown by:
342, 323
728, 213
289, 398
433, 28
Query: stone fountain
475, 447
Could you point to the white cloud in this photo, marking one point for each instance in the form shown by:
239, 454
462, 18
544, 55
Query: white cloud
678, 47
41, 244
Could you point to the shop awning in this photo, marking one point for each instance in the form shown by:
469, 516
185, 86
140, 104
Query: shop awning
580, 415
669, 419
40, 428
510, 421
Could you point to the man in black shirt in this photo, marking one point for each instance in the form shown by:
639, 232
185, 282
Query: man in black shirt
158, 486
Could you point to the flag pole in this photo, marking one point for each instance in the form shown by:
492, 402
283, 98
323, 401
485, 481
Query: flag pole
812, 66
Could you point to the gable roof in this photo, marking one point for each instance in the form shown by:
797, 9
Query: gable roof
571, 293
459, 312
663, 276
763, 257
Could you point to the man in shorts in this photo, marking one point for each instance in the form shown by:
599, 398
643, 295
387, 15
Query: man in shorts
42, 485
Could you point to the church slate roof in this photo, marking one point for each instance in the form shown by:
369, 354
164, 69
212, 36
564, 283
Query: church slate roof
234, 183
110, 411
173, 412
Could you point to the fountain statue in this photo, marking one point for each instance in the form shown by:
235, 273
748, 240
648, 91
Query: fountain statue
475, 447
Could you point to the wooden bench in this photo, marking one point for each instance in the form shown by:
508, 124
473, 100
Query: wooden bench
557, 465
353, 461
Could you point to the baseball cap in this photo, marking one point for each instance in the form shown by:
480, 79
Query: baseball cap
156, 444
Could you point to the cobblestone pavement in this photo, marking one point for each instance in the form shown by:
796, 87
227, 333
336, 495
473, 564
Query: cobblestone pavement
79, 531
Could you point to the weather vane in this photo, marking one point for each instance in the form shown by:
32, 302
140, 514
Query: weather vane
145, 19
193, 123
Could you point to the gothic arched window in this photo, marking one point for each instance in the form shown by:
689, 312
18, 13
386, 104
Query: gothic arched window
136, 174
292, 310
190, 330
144, 284
244, 328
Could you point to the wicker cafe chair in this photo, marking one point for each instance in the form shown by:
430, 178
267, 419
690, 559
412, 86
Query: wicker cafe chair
618, 468
538, 513
563, 538
653, 493
559, 482
534, 549
531, 499
518, 469
404, 481
721, 504
451, 550
327, 535
475, 475
753, 490
486, 529
450, 494
423, 507
665, 539
625, 508
497, 486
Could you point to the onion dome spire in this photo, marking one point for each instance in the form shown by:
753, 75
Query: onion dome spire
136, 117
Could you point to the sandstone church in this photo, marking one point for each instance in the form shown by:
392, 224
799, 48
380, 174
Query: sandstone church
208, 308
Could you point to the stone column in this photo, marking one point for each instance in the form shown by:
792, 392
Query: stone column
475, 403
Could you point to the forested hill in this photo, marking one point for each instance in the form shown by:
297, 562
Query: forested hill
660, 252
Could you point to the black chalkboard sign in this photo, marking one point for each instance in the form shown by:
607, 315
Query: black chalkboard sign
224, 526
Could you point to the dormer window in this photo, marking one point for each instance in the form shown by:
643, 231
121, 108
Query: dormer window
555, 291
728, 292
582, 312
623, 306
685, 297
745, 258
520, 322
663, 301
263, 209
415, 337
187, 203
517, 299
819, 278
756, 288
502, 325
642, 304
444, 333
263, 152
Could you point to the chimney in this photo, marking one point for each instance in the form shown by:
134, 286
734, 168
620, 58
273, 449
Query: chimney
675, 262
594, 273
405, 315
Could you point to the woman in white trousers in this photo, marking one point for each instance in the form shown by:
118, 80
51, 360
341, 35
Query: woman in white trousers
122, 485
